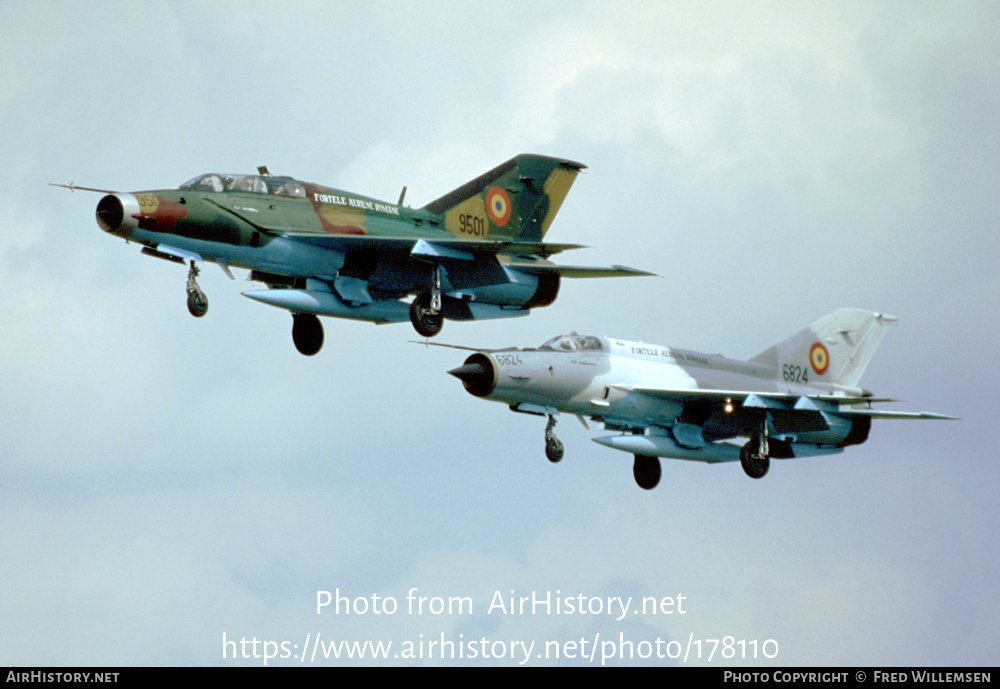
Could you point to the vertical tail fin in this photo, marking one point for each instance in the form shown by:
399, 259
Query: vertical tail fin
835, 349
516, 200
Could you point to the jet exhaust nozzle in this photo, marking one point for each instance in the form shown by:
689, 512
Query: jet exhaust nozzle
478, 375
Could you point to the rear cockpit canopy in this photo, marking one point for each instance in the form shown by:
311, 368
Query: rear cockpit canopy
573, 342
253, 184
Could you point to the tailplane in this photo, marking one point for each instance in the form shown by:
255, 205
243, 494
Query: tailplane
516, 200
835, 349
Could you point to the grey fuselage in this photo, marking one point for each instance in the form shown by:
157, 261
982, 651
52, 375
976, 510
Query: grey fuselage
624, 384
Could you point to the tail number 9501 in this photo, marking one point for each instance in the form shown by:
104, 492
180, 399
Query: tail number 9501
473, 225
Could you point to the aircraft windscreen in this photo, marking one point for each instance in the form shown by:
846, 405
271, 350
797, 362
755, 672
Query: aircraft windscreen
253, 184
573, 342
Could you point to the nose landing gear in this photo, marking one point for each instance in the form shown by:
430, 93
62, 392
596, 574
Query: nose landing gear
553, 446
197, 301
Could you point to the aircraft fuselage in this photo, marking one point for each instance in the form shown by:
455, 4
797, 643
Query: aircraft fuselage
599, 383
246, 229
797, 398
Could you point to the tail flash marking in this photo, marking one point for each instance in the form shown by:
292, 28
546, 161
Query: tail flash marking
516, 200
835, 349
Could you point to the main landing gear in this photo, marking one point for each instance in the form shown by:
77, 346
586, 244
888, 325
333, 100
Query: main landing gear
755, 455
647, 471
425, 309
307, 333
196, 300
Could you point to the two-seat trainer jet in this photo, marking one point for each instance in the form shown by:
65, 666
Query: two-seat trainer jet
475, 253
798, 398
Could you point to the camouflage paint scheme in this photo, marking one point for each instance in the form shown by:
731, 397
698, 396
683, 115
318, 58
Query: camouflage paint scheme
798, 398
475, 253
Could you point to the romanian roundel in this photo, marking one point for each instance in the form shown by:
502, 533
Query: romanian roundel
819, 358
498, 206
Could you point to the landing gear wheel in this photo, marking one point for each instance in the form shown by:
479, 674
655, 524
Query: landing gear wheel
197, 302
196, 299
425, 321
553, 446
754, 464
307, 333
647, 471
553, 449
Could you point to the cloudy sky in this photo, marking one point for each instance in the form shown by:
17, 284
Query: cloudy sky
167, 483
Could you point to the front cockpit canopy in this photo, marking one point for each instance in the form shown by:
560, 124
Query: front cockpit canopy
573, 342
252, 184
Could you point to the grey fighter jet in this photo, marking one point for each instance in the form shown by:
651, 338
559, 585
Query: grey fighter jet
798, 398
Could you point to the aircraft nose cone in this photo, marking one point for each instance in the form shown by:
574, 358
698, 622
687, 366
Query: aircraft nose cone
477, 374
470, 373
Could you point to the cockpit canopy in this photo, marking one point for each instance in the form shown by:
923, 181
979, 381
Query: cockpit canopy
573, 342
253, 184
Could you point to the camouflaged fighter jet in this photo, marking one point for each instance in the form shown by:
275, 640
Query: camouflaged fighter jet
475, 253
799, 398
